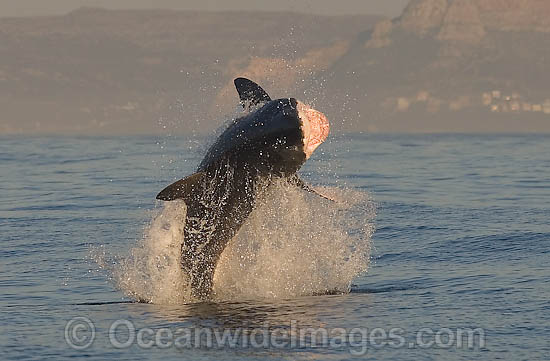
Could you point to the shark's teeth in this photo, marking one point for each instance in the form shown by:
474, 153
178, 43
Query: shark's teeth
315, 128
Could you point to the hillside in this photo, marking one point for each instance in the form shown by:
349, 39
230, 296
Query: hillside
442, 66
96, 71
449, 65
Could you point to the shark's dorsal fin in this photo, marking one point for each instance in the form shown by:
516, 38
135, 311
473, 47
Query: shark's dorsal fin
183, 189
250, 93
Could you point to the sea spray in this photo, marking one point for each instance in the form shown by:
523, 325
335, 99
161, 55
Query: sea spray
151, 270
294, 243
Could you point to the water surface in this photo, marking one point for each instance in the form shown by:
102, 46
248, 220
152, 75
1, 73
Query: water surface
462, 241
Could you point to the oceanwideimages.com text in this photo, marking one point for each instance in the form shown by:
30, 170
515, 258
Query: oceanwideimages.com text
80, 334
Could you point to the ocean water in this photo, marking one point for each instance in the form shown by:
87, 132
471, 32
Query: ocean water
444, 241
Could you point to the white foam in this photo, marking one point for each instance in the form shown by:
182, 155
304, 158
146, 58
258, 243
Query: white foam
294, 243
151, 270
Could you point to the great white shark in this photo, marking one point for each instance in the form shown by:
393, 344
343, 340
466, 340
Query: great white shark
272, 140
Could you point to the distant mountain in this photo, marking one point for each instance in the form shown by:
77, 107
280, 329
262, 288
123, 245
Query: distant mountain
448, 65
96, 71
442, 66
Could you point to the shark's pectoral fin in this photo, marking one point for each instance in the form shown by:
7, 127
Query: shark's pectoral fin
307, 187
250, 93
183, 189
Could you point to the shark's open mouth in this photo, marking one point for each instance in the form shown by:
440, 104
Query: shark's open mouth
315, 128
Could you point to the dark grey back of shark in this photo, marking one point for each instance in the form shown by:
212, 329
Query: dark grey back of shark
267, 142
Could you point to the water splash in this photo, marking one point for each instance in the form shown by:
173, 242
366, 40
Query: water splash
151, 270
294, 243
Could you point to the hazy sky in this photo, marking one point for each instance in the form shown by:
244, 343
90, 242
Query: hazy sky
47, 7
